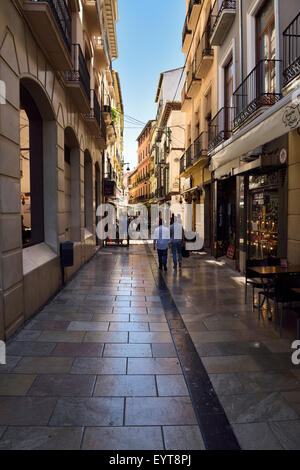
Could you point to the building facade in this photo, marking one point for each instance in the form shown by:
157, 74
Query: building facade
132, 186
113, 162
54, 58
142, 180
169, 138
199, 102
255, 132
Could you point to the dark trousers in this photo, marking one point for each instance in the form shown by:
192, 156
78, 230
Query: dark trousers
162, 257
177, 249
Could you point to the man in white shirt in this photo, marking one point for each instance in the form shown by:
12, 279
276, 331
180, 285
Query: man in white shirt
161, 242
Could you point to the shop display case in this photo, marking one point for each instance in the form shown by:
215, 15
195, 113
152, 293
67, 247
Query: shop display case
263, 218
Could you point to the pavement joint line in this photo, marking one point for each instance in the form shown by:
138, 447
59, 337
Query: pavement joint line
163, 437
214, 434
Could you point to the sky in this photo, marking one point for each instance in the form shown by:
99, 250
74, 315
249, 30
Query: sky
149, 40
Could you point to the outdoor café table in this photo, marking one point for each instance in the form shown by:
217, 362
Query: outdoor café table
272, 272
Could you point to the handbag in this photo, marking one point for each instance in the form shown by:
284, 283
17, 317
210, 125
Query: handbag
185, 253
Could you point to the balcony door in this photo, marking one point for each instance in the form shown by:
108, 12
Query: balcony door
266, 51
228, 98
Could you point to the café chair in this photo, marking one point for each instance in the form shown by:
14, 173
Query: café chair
256, 282
282, 294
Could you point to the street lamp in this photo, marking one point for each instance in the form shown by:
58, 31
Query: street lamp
128, 167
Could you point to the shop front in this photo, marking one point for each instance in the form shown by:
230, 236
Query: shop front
225, 217
263, 205
250, 205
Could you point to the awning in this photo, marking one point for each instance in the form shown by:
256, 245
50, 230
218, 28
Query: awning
280, 119
195, 188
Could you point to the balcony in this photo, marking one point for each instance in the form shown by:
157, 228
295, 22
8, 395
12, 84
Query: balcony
101, 137
185, 98
93, 117
50, 21
195, 152
204, 56
189, 157
78, 81
200, 147
91, 10
220, 128
256, 92
186, 37
101, 52
109, 77
291, 52
193, 83
111, 133
222, 21
106, 112
193, 13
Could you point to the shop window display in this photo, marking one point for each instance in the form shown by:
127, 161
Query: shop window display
263, 216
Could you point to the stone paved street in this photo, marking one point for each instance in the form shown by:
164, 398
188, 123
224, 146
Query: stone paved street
97, 368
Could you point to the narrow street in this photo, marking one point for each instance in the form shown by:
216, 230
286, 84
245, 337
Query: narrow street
127, 358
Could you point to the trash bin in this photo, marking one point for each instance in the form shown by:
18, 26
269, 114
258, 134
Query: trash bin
67, 254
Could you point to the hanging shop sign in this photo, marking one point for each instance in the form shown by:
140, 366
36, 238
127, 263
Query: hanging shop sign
283, 156
188, 183
109, 188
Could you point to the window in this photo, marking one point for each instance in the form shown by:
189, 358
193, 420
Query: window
197, 124
265, 33
228, 98
31, 169
88, 192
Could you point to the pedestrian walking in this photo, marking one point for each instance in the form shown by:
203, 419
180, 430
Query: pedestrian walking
176, 232
128, 224
161, 242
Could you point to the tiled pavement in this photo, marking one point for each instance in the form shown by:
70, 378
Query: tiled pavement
97, 368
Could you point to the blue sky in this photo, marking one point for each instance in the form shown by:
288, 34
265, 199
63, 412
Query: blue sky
149, 41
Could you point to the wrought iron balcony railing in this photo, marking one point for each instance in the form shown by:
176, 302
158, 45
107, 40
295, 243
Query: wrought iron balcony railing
291, 51
80, 71
96, 107
62, 17
102, 127
195, 152
189, 156
257, 90
220, 127
200, 146
182, 164
203, 51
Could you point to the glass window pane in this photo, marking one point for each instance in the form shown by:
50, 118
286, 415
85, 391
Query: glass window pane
265, 15
25, 177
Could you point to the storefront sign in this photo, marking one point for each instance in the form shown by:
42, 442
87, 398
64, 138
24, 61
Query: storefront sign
291, 116
188, 183
259, 181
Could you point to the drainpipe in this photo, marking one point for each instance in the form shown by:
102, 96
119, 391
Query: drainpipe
241, 40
